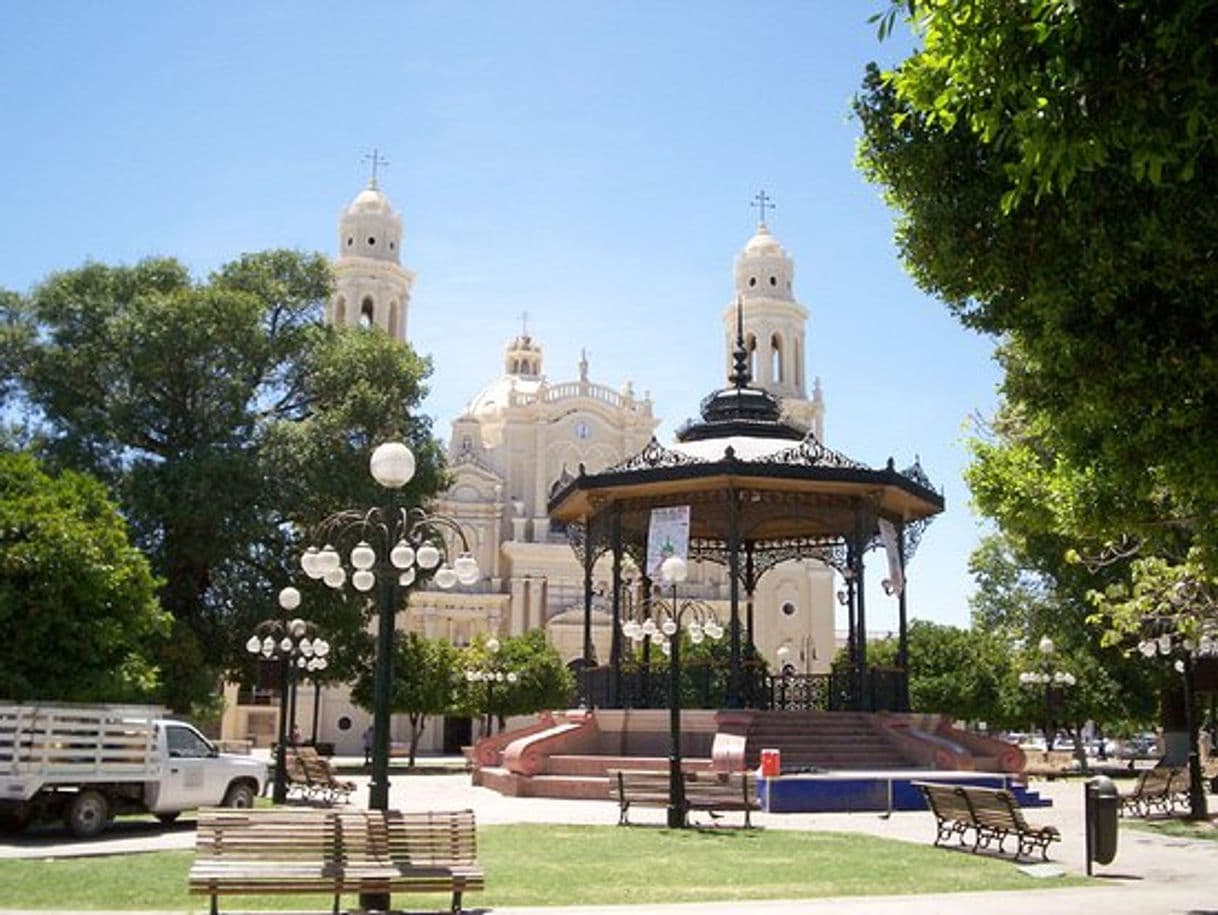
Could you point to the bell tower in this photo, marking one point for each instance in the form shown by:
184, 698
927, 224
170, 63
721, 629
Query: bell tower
774, 326
371, 288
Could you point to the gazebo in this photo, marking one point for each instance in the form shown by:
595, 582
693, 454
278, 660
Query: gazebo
760, 492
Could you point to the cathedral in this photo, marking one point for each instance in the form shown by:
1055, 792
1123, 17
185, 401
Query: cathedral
521, 432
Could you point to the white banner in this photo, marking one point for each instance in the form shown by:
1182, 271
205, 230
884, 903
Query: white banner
896, 578
667, 535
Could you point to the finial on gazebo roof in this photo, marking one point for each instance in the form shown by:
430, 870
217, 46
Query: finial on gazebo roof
740, 373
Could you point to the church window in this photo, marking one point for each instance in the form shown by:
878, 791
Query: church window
773, 281
776, 373
350, 241
366, 312
391, 246
371, 240
752, 281
789, 609
515, 369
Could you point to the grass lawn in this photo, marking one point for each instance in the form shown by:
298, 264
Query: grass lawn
529, 864
1180, 829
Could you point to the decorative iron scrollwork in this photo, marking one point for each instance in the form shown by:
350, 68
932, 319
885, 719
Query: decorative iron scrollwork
810, 452
655, 455
915, 472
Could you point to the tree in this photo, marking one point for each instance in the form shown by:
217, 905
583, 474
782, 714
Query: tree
227, 419
77, 601
542, 680
1052, 164
424, 681
956, 671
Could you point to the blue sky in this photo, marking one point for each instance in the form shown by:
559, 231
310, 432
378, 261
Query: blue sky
590, 163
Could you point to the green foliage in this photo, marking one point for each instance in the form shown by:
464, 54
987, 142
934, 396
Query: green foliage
1053, 168
1180, 598
424, 681
227, 419
542, 679
77, 601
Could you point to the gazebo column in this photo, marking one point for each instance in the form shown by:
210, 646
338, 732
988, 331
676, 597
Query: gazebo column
750, 584
851, 634
903, 624
589, 649
860, 548
733, 553
645, 666
615, 639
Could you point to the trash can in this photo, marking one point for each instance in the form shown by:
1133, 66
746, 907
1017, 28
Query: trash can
771, 763
1101, 806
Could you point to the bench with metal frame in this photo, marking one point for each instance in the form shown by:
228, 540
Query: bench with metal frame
323, 783
711, 792
992, 814
1158, 790
302, 850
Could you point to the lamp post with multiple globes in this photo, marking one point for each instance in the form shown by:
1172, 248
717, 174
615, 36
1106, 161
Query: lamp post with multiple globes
1186, 651
1053, 681
662, 627
288, 642
391, 547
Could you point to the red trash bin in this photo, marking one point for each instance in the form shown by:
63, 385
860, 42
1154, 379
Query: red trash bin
771, 763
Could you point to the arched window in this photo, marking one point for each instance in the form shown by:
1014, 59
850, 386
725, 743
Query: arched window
515, 369
367, 314
776, 367
751, 345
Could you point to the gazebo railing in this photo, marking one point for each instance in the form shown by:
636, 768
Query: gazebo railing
705, 686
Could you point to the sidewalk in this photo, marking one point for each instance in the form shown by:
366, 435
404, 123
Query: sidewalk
1151, 873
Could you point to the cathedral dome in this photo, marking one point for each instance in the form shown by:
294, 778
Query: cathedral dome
763, 243
370, 200
764, 269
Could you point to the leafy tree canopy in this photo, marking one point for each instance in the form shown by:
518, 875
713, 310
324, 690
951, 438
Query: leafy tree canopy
1052, 164
77, 602
227, 419
542, 679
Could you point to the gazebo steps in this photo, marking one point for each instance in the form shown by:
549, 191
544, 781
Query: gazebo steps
599, 765
580, 787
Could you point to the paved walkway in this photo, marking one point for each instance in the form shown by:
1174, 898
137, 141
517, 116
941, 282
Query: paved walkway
1151, 874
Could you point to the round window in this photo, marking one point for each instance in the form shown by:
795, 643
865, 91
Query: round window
350, 241
391, 246
789, 609
773, 281
344, 723
371, 240
752, 281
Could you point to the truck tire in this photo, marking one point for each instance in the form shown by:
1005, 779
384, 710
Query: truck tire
239, 794
87, 813
12, 822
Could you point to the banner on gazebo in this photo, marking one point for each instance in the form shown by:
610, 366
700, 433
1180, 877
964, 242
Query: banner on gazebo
667, 535
895, 582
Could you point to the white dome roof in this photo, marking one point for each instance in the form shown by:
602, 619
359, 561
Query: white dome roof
498, 394
370, 200
763, 244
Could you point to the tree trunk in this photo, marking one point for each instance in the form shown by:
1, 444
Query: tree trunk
416, 731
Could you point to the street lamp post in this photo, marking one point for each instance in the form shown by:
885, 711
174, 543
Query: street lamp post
667, 634
1053, 680
1187, 650
394, 547
490, 675
288, 642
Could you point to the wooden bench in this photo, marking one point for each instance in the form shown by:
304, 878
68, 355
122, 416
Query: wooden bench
712, 792
1159, 789
992, 814
304, 850
322, 782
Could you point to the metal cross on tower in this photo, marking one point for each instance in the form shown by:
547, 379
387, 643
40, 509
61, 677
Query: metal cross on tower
524, 324
762, 201
377, 160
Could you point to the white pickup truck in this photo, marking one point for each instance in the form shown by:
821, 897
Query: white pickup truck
87, 763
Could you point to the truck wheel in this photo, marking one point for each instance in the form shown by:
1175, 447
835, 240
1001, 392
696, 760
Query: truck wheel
168, 818
239, 795
13, 823
87, 813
